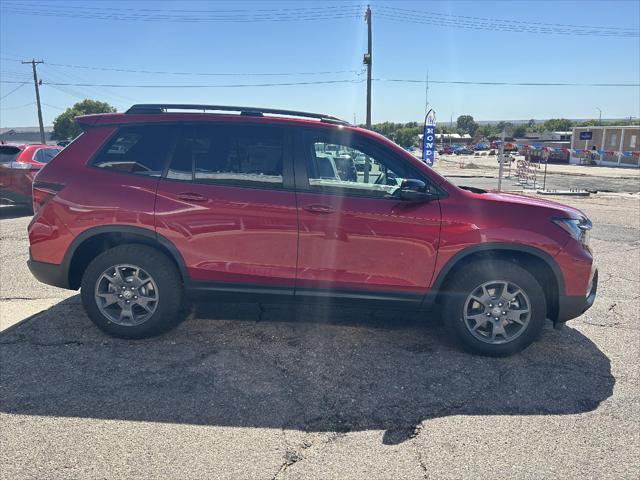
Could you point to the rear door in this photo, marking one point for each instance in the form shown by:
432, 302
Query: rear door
227, 202
357, 237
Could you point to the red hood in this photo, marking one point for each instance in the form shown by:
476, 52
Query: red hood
561, 209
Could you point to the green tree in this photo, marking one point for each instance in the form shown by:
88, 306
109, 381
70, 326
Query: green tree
487, 130
587, 123
466, 124
407, 136
519, 131
531, 123
506, 126
65, 127
558, 125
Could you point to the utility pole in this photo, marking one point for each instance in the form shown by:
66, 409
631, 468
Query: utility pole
599, 116
367, 62
33, 63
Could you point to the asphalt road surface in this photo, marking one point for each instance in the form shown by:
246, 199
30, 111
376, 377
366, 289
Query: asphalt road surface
261, 392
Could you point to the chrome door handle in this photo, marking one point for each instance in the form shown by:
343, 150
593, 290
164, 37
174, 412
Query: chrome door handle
192, 197
319, 209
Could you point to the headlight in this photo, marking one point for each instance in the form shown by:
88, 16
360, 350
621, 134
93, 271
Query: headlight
577, 228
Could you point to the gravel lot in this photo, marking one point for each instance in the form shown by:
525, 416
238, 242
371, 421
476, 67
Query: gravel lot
257, 391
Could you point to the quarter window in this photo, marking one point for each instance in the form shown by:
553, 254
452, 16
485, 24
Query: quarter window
141, 150
44, 155
240, 155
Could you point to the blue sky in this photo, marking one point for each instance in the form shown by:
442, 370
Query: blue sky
409, 37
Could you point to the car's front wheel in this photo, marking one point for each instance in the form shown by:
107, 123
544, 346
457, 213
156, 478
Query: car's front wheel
132, 291
494, 307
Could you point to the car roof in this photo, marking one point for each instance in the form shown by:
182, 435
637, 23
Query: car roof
115, 119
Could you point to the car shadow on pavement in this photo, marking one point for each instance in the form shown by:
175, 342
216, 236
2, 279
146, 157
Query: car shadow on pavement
14, 211
310, 368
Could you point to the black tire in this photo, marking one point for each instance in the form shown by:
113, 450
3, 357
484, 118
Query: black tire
471, 277
170, 292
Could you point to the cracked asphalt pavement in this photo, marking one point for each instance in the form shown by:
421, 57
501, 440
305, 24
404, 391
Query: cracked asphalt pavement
274, 392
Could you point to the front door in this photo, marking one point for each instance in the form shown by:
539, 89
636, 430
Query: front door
227, 202
356, 236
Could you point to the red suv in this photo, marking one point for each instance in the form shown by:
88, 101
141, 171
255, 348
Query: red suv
164, 202
18, 165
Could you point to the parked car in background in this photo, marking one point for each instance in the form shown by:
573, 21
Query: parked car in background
156, 205
18, 166
463, 151
360, 162
446, 150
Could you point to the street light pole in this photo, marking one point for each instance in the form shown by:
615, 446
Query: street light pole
599, 116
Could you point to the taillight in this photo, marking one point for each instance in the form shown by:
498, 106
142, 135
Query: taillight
43, 192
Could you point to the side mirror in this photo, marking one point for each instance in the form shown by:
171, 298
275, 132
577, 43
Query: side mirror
15, 166
413, 190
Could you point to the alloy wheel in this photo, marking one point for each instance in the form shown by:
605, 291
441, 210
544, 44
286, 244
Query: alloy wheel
497, 312
126, 294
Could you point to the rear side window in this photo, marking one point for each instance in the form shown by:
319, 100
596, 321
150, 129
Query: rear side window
140, 149
9, 153
236, 155
44, 155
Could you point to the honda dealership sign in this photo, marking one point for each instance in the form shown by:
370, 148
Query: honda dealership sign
429, 138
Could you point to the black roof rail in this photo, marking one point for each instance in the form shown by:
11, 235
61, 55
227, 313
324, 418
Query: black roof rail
149, 108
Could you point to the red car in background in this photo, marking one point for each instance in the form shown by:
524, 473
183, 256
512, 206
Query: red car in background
18, 165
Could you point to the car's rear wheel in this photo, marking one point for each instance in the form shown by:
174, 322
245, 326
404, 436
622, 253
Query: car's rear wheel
132, 291
494, 307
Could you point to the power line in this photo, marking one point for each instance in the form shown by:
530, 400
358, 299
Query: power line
392, 13
19, 86
322, 82
61, 76
53, 106
212, 74
504, 27
18, 106
431, 14
514, 84
222, 16
138, 9
234, 85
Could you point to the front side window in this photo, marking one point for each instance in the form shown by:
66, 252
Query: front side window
235, 155
44, 155
140, 149
353, 167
